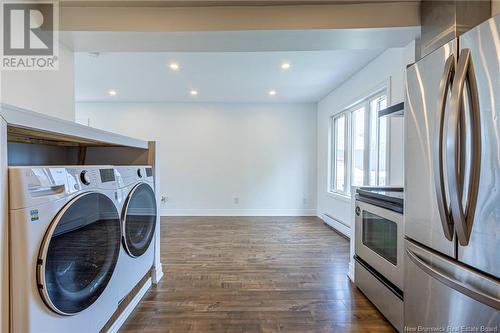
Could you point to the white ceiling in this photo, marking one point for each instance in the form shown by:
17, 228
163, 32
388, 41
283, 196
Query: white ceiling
239, 77
229, 66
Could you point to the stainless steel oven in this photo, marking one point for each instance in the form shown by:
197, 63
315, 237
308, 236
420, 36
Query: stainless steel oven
379, 249
379, 240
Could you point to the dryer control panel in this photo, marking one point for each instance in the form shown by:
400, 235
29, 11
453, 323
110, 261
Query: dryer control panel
130, 175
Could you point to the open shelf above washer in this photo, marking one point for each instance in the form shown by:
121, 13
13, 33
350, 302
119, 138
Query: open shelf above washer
32, 127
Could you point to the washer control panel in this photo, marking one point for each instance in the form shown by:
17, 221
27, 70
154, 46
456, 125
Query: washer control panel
87, 177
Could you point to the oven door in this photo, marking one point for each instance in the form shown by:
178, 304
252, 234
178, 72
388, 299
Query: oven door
379, 240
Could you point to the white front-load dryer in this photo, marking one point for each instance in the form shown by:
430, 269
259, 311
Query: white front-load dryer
137, 204
65, 244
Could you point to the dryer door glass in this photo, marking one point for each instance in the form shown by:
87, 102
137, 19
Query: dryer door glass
79, 253
139, 219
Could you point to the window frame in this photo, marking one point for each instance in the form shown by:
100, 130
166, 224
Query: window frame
366, 164
348, 141
332, 185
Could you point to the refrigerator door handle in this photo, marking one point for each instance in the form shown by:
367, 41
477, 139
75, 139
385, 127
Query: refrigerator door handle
438, 166
456, 277
463, 218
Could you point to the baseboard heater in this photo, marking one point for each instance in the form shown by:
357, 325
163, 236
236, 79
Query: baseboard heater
338, 226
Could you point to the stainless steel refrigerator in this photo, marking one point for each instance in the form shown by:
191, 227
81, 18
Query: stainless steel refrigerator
452, 184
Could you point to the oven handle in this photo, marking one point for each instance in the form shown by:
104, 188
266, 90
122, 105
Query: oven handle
382, 211
456, 277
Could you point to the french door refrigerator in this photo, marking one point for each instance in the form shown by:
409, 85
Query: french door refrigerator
452, 185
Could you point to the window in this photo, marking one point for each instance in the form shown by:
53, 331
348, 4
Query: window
378, 142
358, 146
358, 141
339, 153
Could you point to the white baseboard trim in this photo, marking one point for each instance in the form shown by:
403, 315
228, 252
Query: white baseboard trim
131, 306
350, 274
340, 227
238, 212
157, 274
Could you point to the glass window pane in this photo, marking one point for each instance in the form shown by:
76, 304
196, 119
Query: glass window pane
358, 146
339, 130
373, 164
382, 152
378, 142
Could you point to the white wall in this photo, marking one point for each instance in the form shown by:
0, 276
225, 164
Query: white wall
48, 92
263, 154
495, 7
388, 68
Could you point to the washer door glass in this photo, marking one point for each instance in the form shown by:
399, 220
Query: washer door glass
79, 253
139, 219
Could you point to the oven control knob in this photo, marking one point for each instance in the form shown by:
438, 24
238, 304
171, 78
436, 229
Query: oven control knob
358, 211
139, 173
85, 177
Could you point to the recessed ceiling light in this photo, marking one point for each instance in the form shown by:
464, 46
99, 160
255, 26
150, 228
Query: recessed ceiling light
112, 92
285, 65
193, 92
174, 66
272, 92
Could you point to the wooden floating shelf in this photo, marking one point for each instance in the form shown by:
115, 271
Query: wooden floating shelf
32, 136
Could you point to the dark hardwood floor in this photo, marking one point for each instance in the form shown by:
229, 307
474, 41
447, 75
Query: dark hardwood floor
254, 274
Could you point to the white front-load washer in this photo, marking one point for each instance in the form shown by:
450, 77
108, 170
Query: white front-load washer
65, 244
137, 204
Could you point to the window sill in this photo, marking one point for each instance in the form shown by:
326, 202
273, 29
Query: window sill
338, 196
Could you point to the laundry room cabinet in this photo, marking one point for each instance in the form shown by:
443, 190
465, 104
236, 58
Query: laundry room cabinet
32, 139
